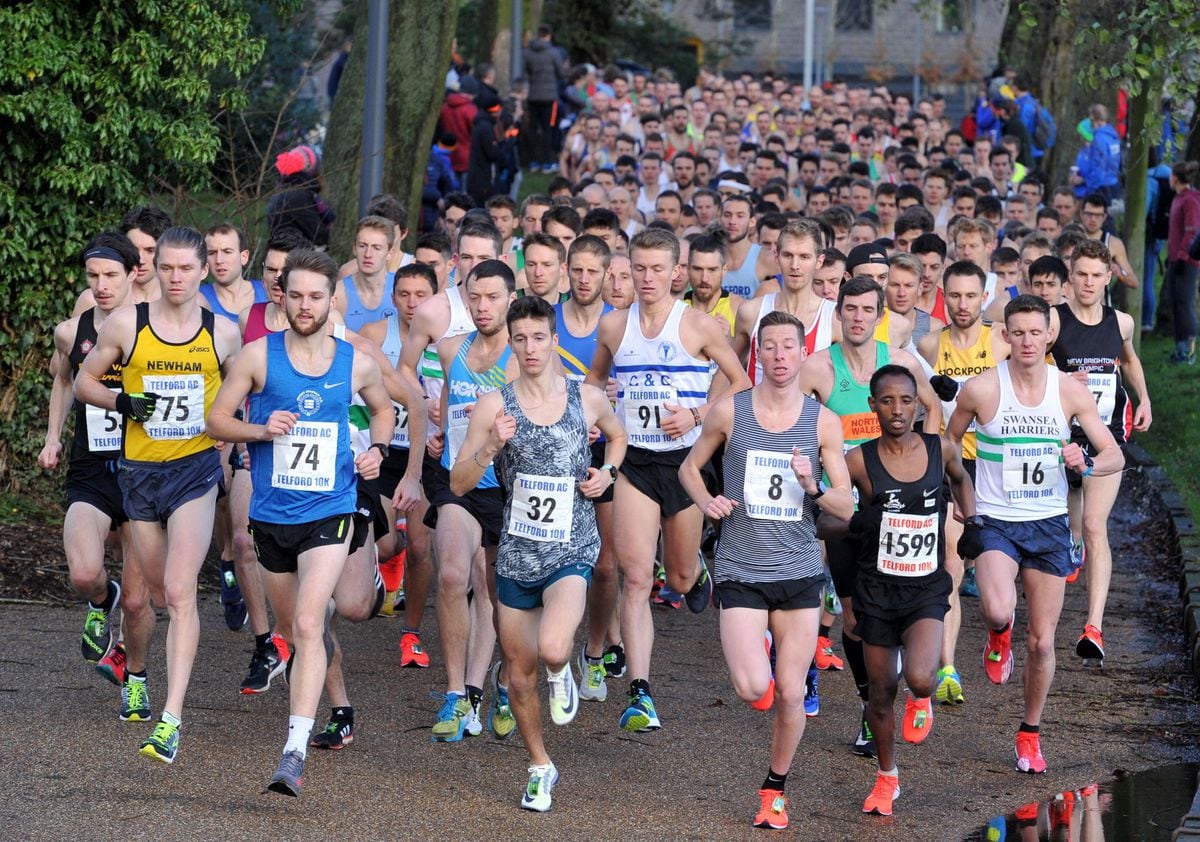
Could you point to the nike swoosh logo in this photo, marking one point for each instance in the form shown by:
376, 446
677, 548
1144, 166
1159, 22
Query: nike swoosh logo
930, 492
574, 703
335, 385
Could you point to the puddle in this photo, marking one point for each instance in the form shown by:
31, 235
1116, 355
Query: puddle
1142, 807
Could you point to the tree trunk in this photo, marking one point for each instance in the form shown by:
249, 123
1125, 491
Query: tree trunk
1143, 111
1192, 152
419, 36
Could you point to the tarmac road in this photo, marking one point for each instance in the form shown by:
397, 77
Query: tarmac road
71, 768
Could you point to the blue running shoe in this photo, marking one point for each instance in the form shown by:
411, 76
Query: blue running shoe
451, 719
231, 598
969, 587
162, 744
812, 699
700, 595
640, 716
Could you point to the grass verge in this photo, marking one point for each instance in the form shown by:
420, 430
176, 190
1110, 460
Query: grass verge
1174, 435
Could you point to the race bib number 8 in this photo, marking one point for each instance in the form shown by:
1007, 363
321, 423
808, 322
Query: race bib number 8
771, 491
179, 413
1030, 471
306, 459
103, 428
541, 508
908, 544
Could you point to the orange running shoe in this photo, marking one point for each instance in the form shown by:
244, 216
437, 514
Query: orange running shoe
1091, 644
1029, 754
768, 698
281, 646
918, 719
887, 790
998, 656
412, 653
826, 660
773, 812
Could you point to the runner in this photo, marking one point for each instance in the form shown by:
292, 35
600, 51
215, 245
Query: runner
545, 262
578, 323
173, 351
143, 226
1094, 344
362, 297
965, 348
474, 364
94, 505
768, 565
902, 291
839, 377
1022, 410
536, 430
661, 351
746, 263
902, 591
303, 505
705, 269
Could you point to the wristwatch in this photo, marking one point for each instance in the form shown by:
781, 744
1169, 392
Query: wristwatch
383, 448
612, 471
973, 520
1089, 463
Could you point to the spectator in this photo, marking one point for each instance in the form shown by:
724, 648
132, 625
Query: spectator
298, 206
1099, 161
485, 153
439, 180
544, 72
456, 118
335, 69
1182, 268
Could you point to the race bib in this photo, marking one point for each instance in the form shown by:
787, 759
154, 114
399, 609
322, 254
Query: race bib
1030, 471
459, 417
908, 544
103, 428
644, 412
771, 490
306, 458
400, 436
179, 413
541, 508
1104, 389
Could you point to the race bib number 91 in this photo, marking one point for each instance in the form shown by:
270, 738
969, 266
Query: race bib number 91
644, 411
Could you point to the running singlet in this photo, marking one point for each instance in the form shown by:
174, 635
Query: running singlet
256, 323
97, 431
939, 306
1020, 474
1096, 349
575, 352
465, 386
848, 398
961, 364
357, 313
743, 280
392, 345
817, 336
910, 543
723, 310
654, 372
209, 291
771, 537
431, 364
307, 475
548, 523
185, 376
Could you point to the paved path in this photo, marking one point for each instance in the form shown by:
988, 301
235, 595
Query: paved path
70, 767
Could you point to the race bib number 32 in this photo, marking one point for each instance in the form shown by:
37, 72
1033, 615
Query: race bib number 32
908, 544
306, 459
541, 508
179, 412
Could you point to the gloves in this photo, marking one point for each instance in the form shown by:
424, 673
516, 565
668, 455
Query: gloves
970, 545
138, 406
867, 518
944, 387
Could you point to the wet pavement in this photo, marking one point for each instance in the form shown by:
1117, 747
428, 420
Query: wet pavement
71, 768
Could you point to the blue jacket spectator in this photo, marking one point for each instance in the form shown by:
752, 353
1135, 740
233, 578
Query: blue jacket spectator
1099, 161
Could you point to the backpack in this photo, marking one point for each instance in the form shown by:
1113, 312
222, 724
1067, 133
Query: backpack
1045, 132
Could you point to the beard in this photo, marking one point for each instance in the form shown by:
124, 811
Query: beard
317, 325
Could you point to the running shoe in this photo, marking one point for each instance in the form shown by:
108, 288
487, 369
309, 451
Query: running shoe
412, 652
640, 716
812, 698
826, 660
700, 595
1091, 644
500, 717
392, 573
135, 701
767, 700
265, 664
231, 598
1029, 753
949, 686
112, 666
281, 646
918, 719
864, 741
163, 744
472, 722
592, 687
969, 586
289, 774
451, 719
97, 636
537, 792
614, 661
1061, 810
772, 813
1078, 556
337, 734
668, 598
887, 790
660, 579
998, 656
564, 695
829, 596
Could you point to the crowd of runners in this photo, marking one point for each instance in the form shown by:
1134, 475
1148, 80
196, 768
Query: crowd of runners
813, 357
